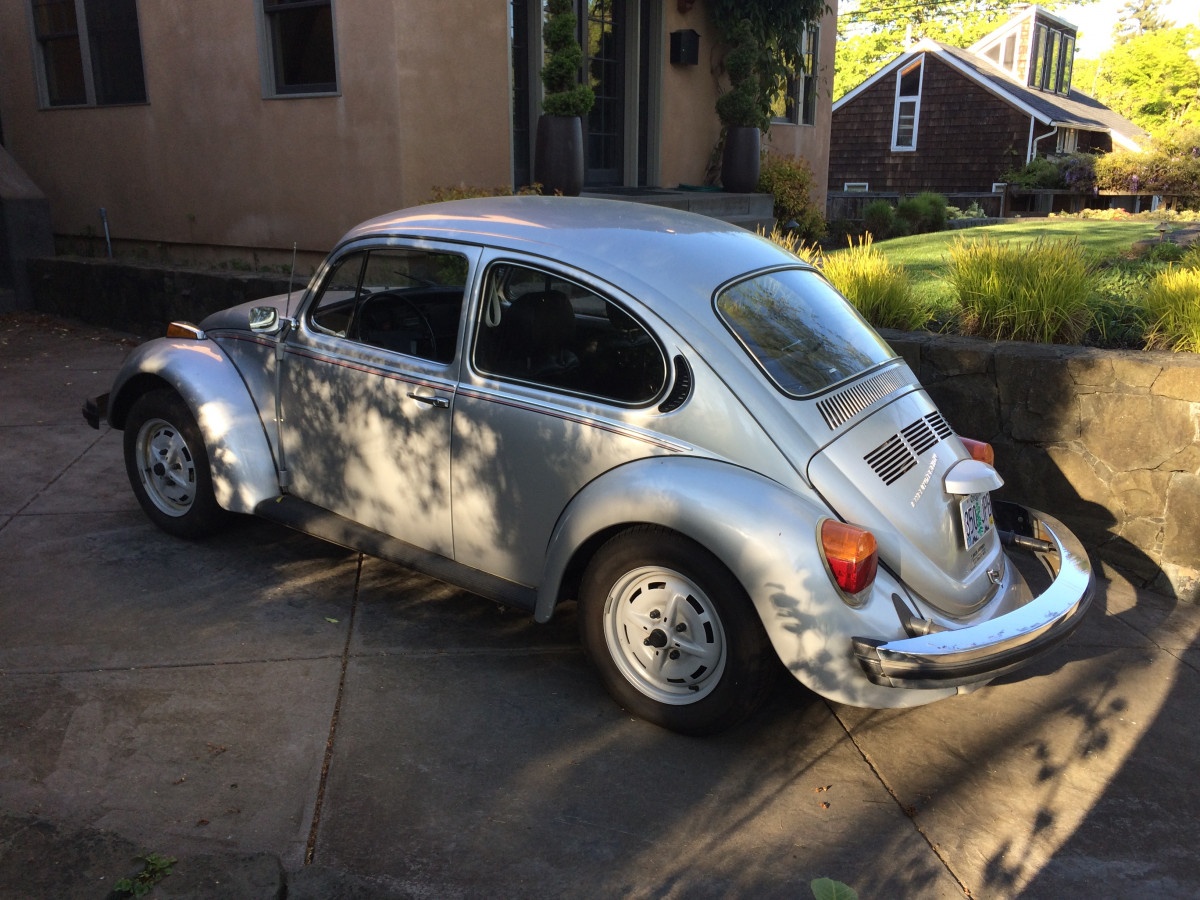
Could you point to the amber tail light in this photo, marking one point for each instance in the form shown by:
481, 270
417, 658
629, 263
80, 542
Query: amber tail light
852, 555
979, 450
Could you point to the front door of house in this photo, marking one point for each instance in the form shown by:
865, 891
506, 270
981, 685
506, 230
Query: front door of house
618, 40
622, 40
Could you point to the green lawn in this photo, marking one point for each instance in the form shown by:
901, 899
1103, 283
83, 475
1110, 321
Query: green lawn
924, 255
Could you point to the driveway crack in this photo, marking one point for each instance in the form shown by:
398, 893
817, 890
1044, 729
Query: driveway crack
311, 848
908, 811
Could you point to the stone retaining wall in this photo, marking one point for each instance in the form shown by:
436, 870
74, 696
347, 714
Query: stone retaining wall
1105, 440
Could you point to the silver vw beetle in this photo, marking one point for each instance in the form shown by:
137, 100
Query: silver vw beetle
669, 420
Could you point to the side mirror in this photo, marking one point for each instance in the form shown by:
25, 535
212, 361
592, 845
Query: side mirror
264, 319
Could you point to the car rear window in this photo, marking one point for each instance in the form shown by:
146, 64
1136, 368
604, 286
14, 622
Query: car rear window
802, 333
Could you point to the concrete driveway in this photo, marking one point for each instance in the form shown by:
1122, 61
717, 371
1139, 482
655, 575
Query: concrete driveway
281, 715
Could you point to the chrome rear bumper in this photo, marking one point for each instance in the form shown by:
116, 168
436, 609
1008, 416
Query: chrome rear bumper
979, 653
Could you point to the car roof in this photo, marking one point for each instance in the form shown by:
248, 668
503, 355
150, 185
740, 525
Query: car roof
681, 255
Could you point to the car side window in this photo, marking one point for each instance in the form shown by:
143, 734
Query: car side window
401, 299
543, 329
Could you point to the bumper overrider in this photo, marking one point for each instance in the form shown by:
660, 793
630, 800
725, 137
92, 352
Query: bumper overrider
95, 410
979, 653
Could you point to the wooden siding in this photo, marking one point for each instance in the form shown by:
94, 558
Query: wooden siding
966, 137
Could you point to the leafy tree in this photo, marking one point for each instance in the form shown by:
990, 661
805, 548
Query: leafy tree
1138, 17
872, 32
1153, 79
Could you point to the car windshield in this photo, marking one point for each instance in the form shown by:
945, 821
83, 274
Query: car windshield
802, 333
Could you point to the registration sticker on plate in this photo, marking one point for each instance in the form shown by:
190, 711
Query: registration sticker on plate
977, 520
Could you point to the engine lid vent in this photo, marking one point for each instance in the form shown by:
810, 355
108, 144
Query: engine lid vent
841, 407
899, 453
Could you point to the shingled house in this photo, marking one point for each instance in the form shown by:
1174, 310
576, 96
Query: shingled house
951, 120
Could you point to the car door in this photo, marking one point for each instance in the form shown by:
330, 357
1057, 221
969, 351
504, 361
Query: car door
367, 389
562, 386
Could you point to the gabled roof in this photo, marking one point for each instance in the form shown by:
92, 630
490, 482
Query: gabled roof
1076, 110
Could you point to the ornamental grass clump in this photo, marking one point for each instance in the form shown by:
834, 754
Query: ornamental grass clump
1023, 292
794, 243
880, 290
1172, 303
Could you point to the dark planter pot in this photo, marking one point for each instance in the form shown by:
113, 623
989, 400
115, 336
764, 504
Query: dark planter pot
558, 155
741, 159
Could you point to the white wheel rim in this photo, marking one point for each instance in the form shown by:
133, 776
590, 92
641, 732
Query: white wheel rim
166, 467
664, 635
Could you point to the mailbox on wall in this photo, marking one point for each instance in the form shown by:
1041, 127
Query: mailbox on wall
685, 47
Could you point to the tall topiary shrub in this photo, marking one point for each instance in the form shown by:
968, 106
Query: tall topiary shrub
565, 95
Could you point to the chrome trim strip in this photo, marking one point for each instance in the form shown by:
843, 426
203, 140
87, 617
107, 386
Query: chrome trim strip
979, 653
578, 419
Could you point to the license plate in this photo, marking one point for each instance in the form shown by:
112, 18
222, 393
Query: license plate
977, 520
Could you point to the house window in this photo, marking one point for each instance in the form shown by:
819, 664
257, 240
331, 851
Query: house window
1065, 65
908, 107
1053, 59
298, 37
798, 105
90, 52
1068, 140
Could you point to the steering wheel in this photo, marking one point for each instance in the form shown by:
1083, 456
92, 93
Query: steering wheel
380, 313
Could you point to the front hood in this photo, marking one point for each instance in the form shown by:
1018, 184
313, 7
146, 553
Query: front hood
887, 472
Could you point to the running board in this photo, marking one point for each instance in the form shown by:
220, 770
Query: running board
321, 523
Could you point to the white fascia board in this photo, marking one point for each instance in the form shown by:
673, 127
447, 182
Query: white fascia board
888, 69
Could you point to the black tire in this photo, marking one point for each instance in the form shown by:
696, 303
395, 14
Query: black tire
672, 633
167, 464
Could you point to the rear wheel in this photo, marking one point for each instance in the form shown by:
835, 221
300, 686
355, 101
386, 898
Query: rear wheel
168, 468
673, 634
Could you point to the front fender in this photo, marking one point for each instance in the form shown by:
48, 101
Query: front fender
239, 454
767, 535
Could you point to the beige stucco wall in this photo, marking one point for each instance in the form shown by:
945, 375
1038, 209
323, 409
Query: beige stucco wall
690, 127
811, 142
424, 100
209, 161
690, 124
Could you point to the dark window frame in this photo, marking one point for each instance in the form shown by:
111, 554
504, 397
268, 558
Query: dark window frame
800, 98
299, 48
89, 53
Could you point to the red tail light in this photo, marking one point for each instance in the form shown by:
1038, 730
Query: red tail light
852, 554
979, 450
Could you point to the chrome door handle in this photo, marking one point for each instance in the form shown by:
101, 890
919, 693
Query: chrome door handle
431, 400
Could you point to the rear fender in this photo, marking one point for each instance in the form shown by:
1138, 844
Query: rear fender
767, 536
239, 454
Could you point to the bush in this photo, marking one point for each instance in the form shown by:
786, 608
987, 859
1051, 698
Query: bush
1172, 303
466, 192
1038, 173
1031, 292
924, 212
790, 181
1070, 172
879, 219
1156, 171
879, 289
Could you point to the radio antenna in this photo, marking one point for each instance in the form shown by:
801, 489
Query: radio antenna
287, 309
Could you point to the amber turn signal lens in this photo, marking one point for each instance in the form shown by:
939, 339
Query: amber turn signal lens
185, 330
852, 554
979, 450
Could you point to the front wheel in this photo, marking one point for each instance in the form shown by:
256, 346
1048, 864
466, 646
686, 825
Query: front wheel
673, 634
168, 469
